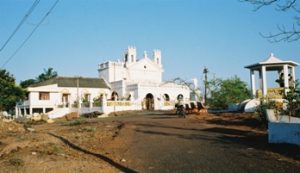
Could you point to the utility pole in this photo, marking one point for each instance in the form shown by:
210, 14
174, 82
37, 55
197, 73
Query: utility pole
205, 71
78, 103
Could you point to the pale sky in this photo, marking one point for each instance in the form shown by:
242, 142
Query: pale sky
80, 34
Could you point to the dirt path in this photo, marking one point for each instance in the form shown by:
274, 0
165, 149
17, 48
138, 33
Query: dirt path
215, 143
147, 142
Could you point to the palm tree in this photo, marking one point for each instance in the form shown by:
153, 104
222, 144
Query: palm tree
48, 74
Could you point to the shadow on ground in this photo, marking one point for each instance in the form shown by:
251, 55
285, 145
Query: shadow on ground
100, 156
246, 138
256, 141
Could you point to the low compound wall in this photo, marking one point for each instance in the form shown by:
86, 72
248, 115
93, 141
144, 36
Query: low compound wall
282, 132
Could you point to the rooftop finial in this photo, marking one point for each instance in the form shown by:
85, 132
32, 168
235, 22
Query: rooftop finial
272, 54
145, 54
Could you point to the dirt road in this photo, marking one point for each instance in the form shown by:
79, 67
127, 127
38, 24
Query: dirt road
147, 142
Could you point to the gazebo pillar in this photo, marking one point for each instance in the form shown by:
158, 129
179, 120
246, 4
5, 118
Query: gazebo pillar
286, 76
264, 81
293, 73
252, 78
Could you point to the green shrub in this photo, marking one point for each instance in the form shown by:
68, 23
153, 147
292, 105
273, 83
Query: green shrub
76, 122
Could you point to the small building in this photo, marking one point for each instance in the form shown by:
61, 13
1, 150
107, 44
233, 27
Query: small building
62, 92
286, 77
141, 80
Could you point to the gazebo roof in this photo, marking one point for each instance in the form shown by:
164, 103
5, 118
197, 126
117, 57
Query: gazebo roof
272, 61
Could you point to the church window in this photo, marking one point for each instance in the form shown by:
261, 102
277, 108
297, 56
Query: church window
145, 66
126, 57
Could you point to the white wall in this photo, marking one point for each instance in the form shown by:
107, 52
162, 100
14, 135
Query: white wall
284, 133
57, 92
152, 72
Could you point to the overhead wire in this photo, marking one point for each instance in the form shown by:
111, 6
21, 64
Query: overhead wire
32, 32
30, 10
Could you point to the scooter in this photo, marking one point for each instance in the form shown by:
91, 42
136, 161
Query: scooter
180, 110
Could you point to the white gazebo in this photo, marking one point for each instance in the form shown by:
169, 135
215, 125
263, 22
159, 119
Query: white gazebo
285, 69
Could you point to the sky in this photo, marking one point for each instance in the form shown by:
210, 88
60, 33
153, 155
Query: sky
192, 34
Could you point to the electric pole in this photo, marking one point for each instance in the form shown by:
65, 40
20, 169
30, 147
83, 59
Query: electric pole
205, 71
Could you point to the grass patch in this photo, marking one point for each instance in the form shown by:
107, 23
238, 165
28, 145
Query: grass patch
75, 122
88, 129
16, 162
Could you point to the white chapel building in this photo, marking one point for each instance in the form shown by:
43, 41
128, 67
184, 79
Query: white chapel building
141, 80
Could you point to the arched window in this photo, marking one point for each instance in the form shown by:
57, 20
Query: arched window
180, 97
166, 97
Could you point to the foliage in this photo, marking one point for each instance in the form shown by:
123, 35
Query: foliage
288, 35
17, 162
48, 74
292, 106
27, 83
97, 101
77, 121
223, 92
9, 92
293, 100
85, 102
194, 90
268, 104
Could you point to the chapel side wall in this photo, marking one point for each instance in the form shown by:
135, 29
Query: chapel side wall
133, 90
116, 71
174, 90
104, 73
145, 75
119, 87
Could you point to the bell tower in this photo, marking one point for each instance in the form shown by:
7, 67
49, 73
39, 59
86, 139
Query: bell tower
130, 55
157, 57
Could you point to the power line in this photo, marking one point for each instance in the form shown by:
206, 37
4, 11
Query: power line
35, 3
28, 37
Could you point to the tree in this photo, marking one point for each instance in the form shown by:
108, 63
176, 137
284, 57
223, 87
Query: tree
223, 92
9, 92
27, 83
48, 74
293, 100
193, 89
284, 34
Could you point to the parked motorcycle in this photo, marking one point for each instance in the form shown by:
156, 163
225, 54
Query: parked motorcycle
180, 110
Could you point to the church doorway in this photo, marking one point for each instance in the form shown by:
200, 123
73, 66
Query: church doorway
114, 96
149, 101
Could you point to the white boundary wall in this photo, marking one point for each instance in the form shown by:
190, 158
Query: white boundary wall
284, 133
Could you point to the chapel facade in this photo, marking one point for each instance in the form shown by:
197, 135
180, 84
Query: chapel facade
140, 79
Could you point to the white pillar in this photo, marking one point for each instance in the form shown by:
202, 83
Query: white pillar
252, 79
91, 103
104, 103
293, 73
30, 110
16, 111
25, 113
20, 112
264, 81
286, 76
